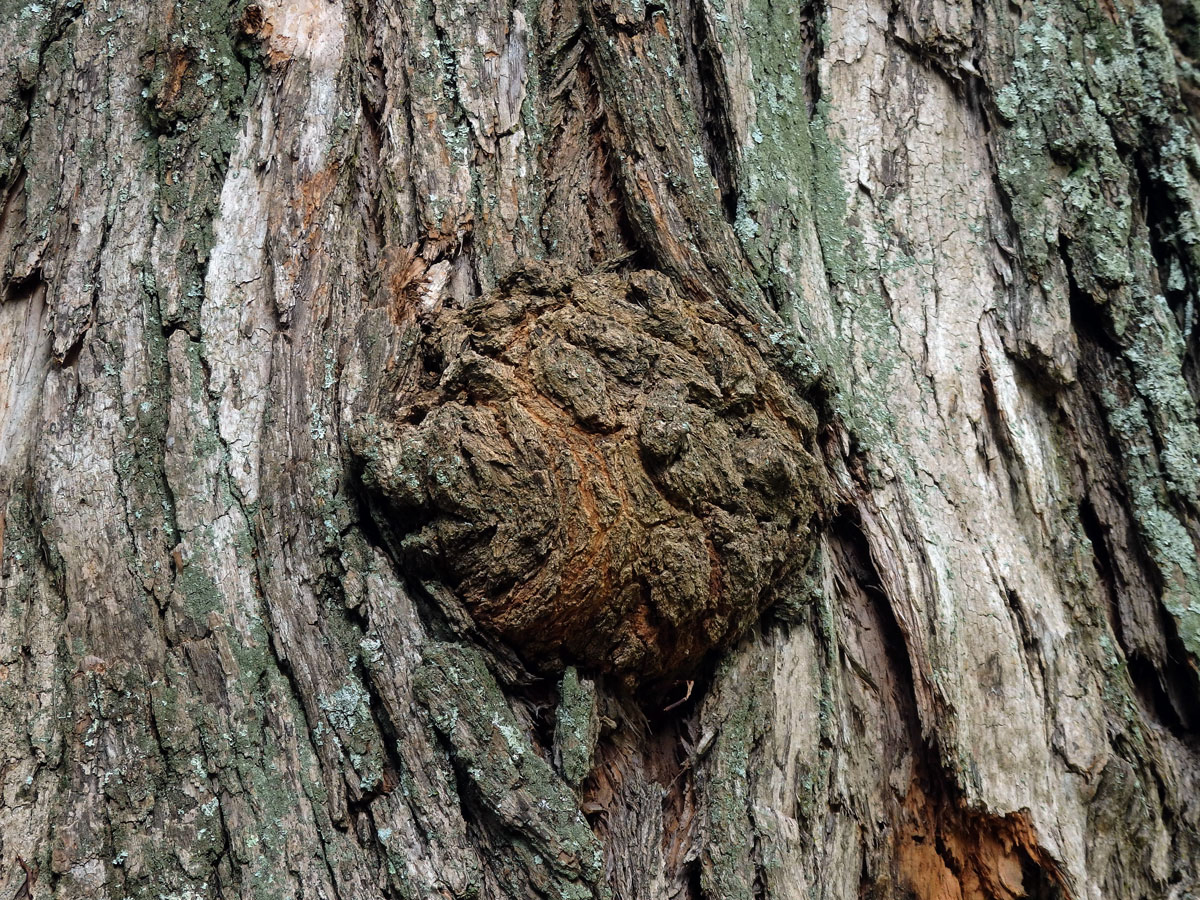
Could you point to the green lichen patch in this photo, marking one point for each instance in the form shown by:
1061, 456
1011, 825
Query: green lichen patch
576, 727
1094, 124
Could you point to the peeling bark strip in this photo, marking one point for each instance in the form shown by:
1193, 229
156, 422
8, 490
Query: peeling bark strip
263, 263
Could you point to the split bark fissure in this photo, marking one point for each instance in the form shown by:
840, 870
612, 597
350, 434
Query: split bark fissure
641, 260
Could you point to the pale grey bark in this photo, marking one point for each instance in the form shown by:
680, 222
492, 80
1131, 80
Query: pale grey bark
965, 234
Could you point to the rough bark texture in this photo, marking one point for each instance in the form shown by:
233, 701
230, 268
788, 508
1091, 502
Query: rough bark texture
911, 608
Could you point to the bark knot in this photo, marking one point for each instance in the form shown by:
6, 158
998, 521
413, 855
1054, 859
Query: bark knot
600, 469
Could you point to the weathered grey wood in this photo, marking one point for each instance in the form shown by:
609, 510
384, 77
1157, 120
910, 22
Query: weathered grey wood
956, 247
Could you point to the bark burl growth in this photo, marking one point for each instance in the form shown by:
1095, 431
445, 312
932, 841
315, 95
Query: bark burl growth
599, 470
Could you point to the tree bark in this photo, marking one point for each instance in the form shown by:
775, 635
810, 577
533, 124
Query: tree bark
714, 449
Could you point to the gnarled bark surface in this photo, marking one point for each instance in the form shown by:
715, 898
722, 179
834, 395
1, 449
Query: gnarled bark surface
598, 471
920, 280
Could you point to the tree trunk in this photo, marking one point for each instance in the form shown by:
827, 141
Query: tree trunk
724, 449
